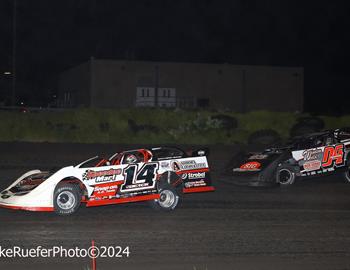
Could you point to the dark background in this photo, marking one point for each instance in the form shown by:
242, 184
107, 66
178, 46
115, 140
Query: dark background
55, 35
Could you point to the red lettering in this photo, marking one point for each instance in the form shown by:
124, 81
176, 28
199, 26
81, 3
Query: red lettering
339, 153
333, 154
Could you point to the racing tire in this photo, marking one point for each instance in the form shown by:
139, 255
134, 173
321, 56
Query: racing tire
168, 200
285, 176
66, 199
225, 121
264, 137
312, 121
172, 179
347, 175
300, 129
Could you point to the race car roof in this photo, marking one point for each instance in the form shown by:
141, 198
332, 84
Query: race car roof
160, 153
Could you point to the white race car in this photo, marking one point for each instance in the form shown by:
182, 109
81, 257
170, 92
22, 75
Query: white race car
158, 175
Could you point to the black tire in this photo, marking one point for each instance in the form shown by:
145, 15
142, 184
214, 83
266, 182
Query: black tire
264, 137
347, 175
173, 180
168, 201
225, 121
312, 121
300, 129
306, 125
66, 199
285, 176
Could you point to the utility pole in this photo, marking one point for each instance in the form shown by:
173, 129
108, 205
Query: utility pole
14, 45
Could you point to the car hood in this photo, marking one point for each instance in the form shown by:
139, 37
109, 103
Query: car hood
252, 162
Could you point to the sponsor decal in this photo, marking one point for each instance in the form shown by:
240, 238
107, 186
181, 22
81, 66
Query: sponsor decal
187, 165
191, 164
333, 155
251, 166
312, 165
105, 190
312, 154
258, 156
101, 176
175, 165
102, 189
191, 176
201, 153
322, 160
200, 183
196, 175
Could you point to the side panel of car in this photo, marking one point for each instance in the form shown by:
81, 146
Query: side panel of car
139, 179
194, 173
320, 160
120, 180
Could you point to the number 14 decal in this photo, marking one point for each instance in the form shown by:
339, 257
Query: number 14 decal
135, 180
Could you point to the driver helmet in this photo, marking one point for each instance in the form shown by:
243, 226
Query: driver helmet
130, 159
318, 142
329, 141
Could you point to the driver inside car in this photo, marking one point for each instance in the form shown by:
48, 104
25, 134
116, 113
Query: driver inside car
129, 159
329, 141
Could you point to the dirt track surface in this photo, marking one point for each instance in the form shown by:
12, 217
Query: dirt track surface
305, 226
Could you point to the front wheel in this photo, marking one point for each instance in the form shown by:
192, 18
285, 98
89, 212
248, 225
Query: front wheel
66, 199
285, 176
168, 200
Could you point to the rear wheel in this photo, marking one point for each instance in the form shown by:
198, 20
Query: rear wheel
285, 176
347, 175
168, 200
66, 199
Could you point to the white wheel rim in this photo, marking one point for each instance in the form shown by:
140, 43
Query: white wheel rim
284, 176
65, 200
167, 199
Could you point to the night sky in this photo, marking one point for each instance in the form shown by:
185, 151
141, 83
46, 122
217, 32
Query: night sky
55, 35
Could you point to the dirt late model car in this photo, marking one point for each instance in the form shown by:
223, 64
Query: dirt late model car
157, 175
315, 154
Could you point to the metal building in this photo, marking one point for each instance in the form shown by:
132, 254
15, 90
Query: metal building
117, 84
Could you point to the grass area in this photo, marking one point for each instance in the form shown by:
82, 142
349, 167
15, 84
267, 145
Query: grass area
171, 126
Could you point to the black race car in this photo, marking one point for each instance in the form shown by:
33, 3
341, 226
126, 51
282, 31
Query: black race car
315, 154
